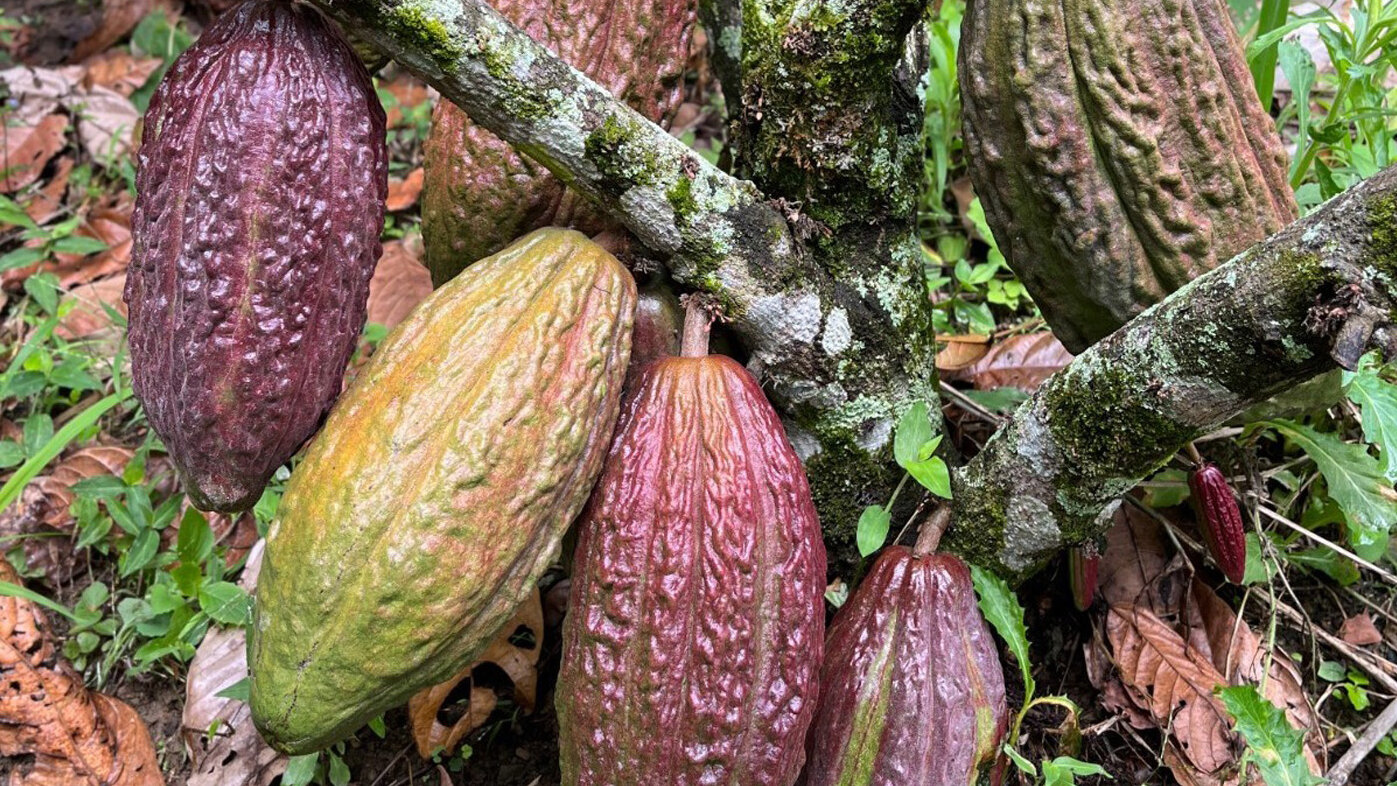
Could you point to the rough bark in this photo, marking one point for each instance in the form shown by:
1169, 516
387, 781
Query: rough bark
826, 301
1278, 314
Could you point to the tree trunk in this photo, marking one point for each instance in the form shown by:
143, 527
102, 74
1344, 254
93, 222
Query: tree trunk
816, 264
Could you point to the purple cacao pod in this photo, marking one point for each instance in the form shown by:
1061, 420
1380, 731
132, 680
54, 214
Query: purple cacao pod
261, 183
911, 691
1220, 519
478, 193
1082, 569
693, 641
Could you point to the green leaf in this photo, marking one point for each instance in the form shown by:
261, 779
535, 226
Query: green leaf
300, 770
913, 430
226, 603
1063, 771
1168, 487
1001, 608
78, 244
38, 429
1277, 748
378, 727
1019, 761
238, 691
872, 532
142, 551
16, 591
1355, 482
20, 257
99, 487
195, 538
21, 477
1377, 399
339, 771
43, 287
10, 453
933, 475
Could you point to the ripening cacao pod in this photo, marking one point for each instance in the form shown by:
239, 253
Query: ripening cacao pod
1119, 150
478, 194
1220, 519
911, 691
435, 496
1083, 566
260, 185
692, 641
659, 320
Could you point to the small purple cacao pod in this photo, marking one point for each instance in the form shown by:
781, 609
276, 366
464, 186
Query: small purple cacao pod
1082, 565
1220, 519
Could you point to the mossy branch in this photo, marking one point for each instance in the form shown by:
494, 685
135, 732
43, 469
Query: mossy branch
1301, 302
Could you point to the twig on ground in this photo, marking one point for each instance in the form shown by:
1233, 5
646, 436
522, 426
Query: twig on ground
1377, 729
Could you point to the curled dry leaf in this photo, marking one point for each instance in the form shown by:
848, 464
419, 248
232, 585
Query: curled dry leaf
65, 734
42, 509
47, 202
519, 662
1360, 631
399, 282
961, 351
119, 17
1022, 361
1169, 641
89, 318
119, 70
28, 148
224, 747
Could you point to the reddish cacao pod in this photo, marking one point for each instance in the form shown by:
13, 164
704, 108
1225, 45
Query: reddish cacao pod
1082, 568
478, 193
1220, 519
693, 639
911, 691
659, 319
260, 190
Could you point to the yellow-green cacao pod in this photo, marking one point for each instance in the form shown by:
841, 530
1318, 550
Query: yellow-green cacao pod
436, 494
1119, 150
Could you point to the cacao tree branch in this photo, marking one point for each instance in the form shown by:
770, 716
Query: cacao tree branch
1291, 307
837, 323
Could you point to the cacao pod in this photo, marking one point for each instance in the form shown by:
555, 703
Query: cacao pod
1220, 519
260, 186
436, 494
1119, 150
478, 193
658, 321
1082, 569
911, 691
692, 642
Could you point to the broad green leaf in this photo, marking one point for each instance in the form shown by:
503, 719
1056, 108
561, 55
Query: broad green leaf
195, 538
913, 430
933, 475
11, 453
300, 770
141, 552
1019, 761
238, 691
1377, 399
38, 429
1355, 482
1063, 771
21, 477
1273, 744
873, 528
99, 487
339, 771
79, 244
226, 603
1001, 608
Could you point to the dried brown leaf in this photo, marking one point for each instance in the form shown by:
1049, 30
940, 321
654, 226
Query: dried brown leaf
89, 318
72, 735
520, 664
28, 148
399, 283
1175, 683
119, 17
1360, 631
233, 753
403, 193
961, 351
47, 202
119, 70
1022, 361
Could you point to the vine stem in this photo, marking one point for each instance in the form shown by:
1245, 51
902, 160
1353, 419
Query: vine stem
929, 536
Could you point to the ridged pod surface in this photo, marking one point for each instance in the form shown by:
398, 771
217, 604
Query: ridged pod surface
1220, 519
911, 691
659, 319
478, 194
1083, 569
436, 494
1119, 150
693, 636
260, 186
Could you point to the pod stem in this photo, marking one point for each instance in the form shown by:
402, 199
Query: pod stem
929, 535
697, 320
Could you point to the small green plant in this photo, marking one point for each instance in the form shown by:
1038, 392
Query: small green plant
914, 446
1350, 684
1001, 608
1273, 745
325, 767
